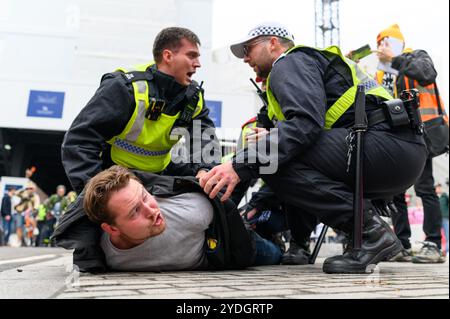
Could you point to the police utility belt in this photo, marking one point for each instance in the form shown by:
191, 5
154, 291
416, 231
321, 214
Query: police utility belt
403, 112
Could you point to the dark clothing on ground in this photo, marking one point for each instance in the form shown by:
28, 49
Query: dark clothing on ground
312, 173
85, 151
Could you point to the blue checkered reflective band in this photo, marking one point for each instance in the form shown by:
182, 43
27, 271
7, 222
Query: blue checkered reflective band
137, 150
370, 84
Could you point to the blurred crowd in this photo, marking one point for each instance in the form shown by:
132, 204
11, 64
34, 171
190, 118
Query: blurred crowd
29, 221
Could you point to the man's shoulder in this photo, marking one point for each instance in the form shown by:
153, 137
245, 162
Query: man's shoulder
301, 60
419, 53
113, 77
301, 56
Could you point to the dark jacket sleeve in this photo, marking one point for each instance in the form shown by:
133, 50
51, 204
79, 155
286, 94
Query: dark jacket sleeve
104, 116
416, 65
298, 86
208, 140
264, 198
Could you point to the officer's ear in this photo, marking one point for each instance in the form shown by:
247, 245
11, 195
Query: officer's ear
167, 56
274, 43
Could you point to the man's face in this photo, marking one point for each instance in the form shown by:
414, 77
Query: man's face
184, 62
258, 57
137, 214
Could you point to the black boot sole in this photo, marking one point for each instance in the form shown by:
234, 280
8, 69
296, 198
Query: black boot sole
386, 253
292, 260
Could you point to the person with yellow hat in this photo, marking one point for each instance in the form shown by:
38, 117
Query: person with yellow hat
413, 69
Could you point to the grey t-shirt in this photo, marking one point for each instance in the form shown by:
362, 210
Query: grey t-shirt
179, 247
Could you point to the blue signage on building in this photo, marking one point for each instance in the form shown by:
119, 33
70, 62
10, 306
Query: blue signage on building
215, 112
45, 104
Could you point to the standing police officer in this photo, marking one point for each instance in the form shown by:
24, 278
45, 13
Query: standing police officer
311, 96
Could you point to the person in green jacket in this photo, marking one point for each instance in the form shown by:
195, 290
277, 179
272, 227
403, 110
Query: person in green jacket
54, 206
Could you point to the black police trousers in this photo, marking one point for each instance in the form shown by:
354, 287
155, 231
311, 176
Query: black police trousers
317, 182
432, 217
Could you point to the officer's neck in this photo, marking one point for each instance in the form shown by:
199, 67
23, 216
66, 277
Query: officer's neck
167, 83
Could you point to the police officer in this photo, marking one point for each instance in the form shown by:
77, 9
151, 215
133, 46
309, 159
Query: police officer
311, 95
130, 119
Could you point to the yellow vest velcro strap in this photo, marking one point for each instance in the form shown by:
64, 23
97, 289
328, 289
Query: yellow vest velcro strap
339, 107
137, 150
347, 99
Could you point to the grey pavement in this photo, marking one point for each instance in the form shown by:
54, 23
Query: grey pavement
55, 279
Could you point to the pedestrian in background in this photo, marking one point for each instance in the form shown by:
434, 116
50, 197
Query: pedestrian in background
405, 69
6, 213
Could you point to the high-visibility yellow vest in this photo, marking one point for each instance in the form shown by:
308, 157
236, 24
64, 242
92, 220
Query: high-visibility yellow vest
242, 143
345, 101
246, 129
145, 144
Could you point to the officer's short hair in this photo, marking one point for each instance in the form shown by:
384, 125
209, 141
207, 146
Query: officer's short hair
170, 38
99, 189
286, 43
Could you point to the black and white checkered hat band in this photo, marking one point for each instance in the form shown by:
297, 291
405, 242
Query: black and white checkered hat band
267, 30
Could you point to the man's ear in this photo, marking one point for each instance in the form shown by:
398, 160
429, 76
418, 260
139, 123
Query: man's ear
167, 56
273, 43
111, 230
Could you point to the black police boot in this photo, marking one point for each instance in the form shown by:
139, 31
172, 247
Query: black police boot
378, 243
296, 255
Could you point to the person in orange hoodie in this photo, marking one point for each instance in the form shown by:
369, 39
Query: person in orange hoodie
403, 69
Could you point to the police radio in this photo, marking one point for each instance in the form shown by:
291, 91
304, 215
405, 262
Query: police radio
155, 109
404, 111
192, 97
